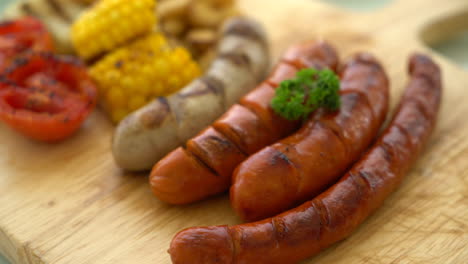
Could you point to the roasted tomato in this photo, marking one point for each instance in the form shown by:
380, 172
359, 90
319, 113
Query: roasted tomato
45, 96
18, 36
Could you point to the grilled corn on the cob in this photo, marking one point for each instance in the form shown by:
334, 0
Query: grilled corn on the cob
131, 76
110, 24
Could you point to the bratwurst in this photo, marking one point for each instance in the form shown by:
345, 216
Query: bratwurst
204, 166
333, 215
301, 166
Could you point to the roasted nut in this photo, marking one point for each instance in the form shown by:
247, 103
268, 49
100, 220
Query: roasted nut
172, 8
220, 3
173, 27
201, 38
195, 23
202, 14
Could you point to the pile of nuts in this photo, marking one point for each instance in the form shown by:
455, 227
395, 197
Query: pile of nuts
195, 24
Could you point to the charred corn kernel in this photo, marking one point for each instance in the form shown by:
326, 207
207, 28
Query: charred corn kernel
131, 76
110, 24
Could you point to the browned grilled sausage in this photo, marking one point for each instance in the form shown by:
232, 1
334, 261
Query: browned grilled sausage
302, 165
204, 167
333, 215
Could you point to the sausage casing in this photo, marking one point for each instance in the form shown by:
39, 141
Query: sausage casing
299, 167
333, 215
244, 129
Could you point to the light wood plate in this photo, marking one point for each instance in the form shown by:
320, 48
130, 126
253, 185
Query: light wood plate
69, 203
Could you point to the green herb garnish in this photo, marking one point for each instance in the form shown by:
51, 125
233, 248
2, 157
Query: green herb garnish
310, 90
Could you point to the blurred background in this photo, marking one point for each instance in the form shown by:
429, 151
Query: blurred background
455, 48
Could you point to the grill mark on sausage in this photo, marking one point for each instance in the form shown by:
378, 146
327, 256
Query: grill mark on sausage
164, 102
411, 127
366, 177
289, 63
280, 229
362, 181
215, 85
275, 230
244, 148
230, 141
200, 161
251, 109
357, 96
330, 53
230, 233
58, 9
336, 133
363, 96
387, 152
317, 64
323, 213
224, 144
210, 85
397, 151
244, 29
366, 59
420, 107
152, 119
238, 59
403, 131
428, 78
195, 93
280, 156
431, 72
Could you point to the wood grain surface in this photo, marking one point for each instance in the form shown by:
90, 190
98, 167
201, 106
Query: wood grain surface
69, 203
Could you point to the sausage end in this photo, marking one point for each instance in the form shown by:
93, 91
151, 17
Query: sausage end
202, 245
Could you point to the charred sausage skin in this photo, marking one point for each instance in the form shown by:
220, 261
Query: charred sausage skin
333, 215
299, 167
214, 153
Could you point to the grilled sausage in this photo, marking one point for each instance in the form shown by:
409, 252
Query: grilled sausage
204, 167
151, 132
302, 165
306, 230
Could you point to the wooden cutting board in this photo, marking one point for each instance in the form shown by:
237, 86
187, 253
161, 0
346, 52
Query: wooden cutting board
69, 203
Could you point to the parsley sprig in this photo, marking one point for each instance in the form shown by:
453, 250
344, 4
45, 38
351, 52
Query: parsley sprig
310, 90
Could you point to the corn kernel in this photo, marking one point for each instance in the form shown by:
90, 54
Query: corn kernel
136, 102
131, 76
161, 68
157, 89
127, 82
174, 82
110, 24
116, 97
